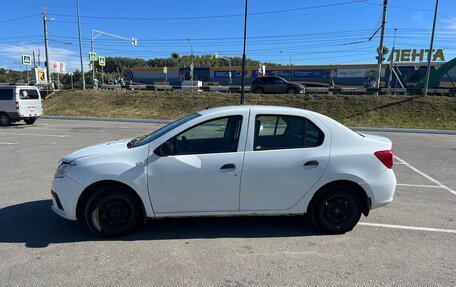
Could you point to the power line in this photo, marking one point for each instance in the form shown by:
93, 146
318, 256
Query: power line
20, 18
215, 16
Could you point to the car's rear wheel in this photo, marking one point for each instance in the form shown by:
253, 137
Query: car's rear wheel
258, 90
336, 210
30, 121
4, 120
112, 212
292, 91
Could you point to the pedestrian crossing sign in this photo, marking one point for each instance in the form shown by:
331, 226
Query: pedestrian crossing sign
102, 61
26, 59
92, 56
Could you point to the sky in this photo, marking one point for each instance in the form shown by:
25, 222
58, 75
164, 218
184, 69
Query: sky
302, 32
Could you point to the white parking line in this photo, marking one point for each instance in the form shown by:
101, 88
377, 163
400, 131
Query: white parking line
426, 176
408, 227
419, 185
5, 143
37, 135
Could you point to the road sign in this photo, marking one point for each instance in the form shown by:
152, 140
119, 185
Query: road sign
165, 70
26, 59
40, 76
102, 61
92, 56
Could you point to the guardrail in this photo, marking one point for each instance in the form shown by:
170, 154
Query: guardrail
309, 90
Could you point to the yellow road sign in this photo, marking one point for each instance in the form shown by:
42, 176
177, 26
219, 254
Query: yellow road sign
102, 61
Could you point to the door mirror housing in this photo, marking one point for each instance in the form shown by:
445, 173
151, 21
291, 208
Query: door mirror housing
165, 149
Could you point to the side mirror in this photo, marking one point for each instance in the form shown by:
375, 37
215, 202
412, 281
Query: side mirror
165, 149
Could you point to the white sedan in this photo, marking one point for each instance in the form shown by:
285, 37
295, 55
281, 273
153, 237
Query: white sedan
230, 161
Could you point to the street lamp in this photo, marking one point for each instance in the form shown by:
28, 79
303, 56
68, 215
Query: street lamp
98, 33
80, 49
243, 54
191, 66
428, 70
34, 60
229, 61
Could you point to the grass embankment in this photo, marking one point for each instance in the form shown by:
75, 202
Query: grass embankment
362, 111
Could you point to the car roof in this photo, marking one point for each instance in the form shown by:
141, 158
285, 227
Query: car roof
272, 109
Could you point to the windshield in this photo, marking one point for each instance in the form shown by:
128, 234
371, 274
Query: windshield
163, 130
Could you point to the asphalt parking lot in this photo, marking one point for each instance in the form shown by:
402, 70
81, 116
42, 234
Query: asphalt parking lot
411, 242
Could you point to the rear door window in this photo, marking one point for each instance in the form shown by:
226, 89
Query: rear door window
6, 94
285, 132
28, 94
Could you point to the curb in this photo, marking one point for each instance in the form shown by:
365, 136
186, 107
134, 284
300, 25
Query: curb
121, 120
364, 129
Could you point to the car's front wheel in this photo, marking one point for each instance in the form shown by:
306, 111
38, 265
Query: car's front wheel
112, 212
292, 91
336, 210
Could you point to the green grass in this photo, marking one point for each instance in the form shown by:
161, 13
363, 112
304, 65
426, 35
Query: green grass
362, 111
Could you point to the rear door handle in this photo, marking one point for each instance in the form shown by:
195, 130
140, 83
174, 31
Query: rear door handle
311, 163
228, 166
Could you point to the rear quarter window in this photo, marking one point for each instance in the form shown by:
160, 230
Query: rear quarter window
6, 94
28, 94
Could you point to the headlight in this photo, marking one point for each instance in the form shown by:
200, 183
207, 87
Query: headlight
63, 168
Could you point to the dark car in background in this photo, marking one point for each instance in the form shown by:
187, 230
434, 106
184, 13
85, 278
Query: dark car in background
275, 85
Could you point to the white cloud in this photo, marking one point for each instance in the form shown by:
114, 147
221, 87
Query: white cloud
10, 56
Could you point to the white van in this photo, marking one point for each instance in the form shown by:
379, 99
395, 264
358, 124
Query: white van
19, 103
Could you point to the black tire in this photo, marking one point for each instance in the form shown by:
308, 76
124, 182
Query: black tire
292, 91
30, 121
258, 90
337, 210
4, 120
112, 212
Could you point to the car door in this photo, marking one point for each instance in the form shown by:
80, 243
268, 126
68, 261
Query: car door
279, 86
202, 173
285, 156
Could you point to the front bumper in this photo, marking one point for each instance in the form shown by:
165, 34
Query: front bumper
65, 194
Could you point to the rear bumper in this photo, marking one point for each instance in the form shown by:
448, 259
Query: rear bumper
381, 189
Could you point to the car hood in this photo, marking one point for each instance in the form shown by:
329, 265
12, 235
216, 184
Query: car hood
108, 147
297, 84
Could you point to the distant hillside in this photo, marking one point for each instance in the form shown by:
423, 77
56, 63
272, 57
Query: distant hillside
366, 111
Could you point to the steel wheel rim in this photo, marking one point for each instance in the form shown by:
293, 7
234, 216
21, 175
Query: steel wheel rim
337, 210
115, 213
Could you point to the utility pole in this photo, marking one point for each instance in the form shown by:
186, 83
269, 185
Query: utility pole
390, 76
380, 48
46, 44
80, 47
243, 53
428, 70
191, 66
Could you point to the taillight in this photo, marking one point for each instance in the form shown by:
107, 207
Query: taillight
17, 105
386, 157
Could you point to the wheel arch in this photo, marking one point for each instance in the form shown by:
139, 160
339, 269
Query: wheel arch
89, 190
362, 194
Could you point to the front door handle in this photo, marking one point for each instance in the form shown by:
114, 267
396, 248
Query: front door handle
311, 163
228, 166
